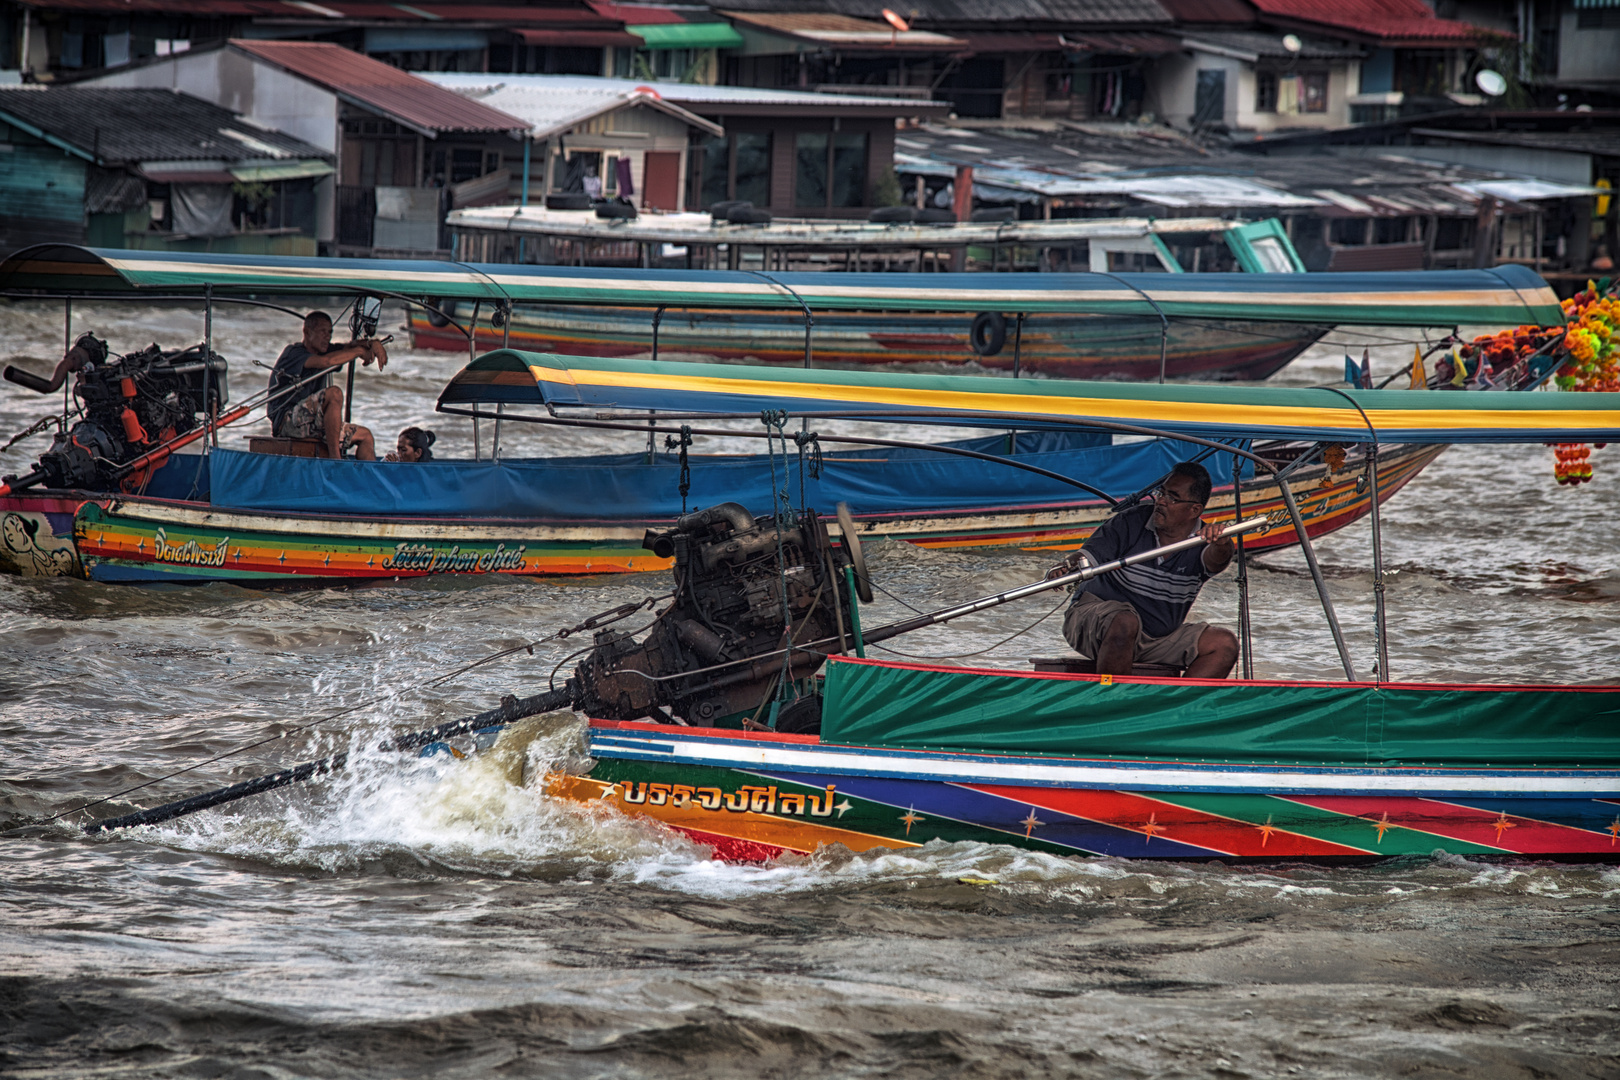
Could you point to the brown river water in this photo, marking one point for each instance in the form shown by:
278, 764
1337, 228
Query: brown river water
436, 918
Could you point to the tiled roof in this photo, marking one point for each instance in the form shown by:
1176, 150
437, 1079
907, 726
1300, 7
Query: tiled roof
1385, 21
129, 125
399, 95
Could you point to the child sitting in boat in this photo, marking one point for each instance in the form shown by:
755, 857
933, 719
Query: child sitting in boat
314, 410
413, 445
1135, 615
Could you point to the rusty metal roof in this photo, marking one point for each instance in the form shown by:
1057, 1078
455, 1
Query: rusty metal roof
400, 96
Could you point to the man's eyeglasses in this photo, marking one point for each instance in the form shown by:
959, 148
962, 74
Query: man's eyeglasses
1160, 495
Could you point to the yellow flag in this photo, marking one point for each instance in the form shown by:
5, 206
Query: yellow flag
1420, 379
1460, 370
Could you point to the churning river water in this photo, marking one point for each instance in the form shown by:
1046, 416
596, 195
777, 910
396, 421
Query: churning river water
436, 918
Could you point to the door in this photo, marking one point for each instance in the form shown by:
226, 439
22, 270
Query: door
1209, 104
661, 180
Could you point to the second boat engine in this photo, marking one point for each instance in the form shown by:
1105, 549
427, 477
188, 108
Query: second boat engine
131, 403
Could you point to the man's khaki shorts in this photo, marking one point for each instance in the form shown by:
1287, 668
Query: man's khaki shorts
307, 420
1086, 623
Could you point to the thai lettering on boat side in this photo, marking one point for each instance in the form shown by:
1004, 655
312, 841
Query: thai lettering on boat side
191, 553
408, 556
746, 799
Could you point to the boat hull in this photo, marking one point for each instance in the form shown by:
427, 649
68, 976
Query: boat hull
1060, 346
754, 796
132, 539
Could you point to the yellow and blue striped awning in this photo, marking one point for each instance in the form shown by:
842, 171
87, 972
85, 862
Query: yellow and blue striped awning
566, 383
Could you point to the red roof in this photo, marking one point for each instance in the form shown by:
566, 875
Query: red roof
397, 94
581, 39
1388, 22
635, 14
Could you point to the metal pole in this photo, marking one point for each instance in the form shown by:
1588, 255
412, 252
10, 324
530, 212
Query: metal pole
1316, 576
1245, 644
658, 317
472, 354
67, 328
208, 367
495, 443
1380, 631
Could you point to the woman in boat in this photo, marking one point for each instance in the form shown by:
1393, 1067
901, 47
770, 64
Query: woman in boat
414, 445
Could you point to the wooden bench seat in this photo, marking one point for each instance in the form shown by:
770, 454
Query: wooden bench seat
1075, 664
286, 447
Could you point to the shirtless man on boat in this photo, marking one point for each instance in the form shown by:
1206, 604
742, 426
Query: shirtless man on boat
1136, 615
315, 410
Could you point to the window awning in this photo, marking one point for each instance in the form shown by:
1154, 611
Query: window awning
281, 170
710, 35
583, 39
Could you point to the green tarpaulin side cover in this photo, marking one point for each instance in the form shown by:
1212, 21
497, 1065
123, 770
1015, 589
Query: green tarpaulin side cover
872, 703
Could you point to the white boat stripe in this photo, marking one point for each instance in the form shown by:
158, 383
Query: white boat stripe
1123, 776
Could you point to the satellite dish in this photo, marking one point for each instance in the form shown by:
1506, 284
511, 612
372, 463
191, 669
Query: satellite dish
1491, 82
1292, 43
895, 21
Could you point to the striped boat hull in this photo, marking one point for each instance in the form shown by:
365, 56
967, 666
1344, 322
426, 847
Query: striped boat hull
134, 539
1061, 346
758, 795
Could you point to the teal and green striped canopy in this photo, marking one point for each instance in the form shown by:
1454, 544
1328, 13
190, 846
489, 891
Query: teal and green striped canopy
546, 380
1503, 296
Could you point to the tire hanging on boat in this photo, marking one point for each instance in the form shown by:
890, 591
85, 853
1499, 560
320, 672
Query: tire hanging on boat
989, 333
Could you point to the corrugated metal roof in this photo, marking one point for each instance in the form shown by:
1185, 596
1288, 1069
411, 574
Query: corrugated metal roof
1390, 21
525, 95
634, 14
1210, 12
552, 110
831, 29
963, 13
1255, 43
129, 125
413, 101
582, 39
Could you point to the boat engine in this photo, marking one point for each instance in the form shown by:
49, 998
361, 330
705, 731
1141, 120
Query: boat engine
740, 582
132, 404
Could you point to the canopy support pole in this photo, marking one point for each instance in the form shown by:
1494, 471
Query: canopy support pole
67, 339
1380, 630
472, 354
1245, 642
658, 317
1164, 323
528, 145
208, 366
495, 442
1316, 576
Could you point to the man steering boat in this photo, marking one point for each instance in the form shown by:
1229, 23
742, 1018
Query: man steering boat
1137, 614
314, 410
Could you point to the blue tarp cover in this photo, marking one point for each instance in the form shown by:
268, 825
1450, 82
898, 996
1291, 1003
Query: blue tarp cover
624, 487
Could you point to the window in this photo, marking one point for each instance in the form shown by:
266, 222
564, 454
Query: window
1313, 92
1265, 91
1348, 232
1597, 19
1390, 230
1454, 233
810, 180
830, 169
745, 174
466, 163
753, 169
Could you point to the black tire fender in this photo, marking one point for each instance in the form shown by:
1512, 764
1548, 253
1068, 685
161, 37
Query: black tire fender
989, 333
